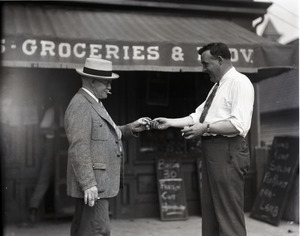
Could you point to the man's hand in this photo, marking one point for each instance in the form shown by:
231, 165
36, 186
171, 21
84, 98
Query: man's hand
193, 131
141, 124
160, 123
90, 196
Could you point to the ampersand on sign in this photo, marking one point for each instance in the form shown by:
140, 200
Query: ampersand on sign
177, 54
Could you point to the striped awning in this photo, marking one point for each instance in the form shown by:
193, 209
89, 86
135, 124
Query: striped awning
53, 37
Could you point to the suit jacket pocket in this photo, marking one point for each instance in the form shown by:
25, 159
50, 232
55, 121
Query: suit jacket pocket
101, 176
98, 131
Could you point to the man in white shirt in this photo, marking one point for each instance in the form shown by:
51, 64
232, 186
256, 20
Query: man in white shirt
222, 122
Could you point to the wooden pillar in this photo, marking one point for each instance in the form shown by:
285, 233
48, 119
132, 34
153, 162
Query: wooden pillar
255, 125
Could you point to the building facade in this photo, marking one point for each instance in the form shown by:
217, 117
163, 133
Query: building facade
153, 47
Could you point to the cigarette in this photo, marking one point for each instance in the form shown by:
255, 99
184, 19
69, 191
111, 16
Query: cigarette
109, 92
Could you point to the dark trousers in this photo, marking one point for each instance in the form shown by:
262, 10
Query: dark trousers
46, 174
91, 221
225, 162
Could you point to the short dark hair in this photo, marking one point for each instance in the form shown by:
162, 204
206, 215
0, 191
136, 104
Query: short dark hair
216, 49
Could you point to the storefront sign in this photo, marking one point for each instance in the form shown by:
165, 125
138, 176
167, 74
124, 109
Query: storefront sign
33, 52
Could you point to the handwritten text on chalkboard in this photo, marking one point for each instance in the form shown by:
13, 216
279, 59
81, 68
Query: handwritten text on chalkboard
171, 190
273, 192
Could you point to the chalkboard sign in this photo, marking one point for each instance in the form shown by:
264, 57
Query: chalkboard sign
171, 191
277, 181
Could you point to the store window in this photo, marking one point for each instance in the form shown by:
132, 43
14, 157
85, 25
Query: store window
168, 95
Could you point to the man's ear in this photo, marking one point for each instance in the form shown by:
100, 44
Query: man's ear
92, 81
220, 59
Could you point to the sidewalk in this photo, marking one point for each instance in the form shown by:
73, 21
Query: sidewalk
153, 227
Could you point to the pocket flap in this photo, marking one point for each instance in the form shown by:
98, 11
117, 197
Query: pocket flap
99, 166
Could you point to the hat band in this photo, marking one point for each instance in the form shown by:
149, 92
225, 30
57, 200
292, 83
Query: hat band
96, 72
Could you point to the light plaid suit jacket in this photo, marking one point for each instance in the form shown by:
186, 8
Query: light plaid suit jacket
94, 155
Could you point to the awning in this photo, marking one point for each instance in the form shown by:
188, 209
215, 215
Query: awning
53, 37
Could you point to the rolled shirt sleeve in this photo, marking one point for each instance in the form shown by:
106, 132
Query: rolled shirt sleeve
242, 100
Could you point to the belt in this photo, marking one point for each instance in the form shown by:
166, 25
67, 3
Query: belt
212, 137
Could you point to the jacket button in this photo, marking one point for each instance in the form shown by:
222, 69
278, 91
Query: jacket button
117, 141
118, 155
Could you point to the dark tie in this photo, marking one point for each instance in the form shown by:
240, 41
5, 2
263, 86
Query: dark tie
208, 103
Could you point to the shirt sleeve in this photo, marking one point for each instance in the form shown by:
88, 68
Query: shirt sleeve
242, 98
196, 115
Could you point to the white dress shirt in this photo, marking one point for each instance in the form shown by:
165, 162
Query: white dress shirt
233, 101
91, 94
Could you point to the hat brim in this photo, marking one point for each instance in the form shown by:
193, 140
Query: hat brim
113, 75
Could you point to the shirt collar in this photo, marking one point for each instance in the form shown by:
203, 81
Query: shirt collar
227, 75
91, 94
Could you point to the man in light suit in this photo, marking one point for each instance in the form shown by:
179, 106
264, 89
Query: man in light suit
95, 149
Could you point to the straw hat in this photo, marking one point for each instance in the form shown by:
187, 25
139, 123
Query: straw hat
97, 68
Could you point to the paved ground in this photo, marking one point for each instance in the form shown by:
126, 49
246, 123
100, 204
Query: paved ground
153, 227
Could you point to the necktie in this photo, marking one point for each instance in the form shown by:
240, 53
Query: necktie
208, 103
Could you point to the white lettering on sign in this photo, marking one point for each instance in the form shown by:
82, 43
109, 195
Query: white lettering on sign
166, 185
153, 53
173, 209
167, 196
177, 54
163, 165
281, 156
274, 181
95, 50
137, 52
265, 192
47, 48
169, 174
234, 54
64, 50
2, 45
79, 50
247, 56
126, 55
112, 51
18, 49
29, 47
279, 168
269, 208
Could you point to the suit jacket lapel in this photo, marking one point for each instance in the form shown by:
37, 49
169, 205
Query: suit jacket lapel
97, 107
102, 112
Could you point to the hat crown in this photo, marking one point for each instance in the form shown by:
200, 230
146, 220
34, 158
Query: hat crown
98, 64
97, 68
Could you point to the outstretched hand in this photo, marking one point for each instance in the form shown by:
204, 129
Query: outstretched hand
160, 123
141, 124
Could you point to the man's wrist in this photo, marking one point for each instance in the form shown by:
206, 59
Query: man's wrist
208, 129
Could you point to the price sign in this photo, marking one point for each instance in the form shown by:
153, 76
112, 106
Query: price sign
171, 190
274, 190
